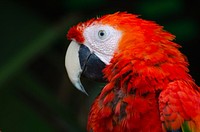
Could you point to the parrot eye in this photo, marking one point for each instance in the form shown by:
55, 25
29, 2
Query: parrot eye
102, 40
102, 34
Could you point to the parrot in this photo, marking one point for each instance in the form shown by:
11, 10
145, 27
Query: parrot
148, 87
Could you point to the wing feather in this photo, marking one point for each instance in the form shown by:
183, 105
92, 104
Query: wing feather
179, 104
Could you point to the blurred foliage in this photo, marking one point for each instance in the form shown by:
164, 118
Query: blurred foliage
35, 92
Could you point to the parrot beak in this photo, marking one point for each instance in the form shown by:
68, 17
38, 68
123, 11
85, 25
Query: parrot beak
80, 61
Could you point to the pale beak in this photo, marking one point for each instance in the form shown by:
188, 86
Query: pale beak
80, 61
73, 66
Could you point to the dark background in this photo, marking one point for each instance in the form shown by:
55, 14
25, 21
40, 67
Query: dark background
35, 92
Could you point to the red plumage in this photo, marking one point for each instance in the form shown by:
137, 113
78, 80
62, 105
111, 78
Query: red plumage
149, 88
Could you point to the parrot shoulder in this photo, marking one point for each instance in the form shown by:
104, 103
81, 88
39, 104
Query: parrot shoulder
179, 105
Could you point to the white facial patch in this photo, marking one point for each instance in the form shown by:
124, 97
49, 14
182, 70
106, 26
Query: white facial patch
102, 40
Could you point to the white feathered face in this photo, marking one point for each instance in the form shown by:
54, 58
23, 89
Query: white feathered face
90, 56
102, 40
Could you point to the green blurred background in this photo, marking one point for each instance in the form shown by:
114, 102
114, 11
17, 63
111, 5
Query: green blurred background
35, 92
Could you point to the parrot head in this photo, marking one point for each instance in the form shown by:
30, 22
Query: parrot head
146, 75
94, 44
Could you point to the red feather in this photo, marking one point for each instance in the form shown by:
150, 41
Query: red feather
149, 87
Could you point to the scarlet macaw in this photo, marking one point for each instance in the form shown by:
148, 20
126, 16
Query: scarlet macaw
148, 86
